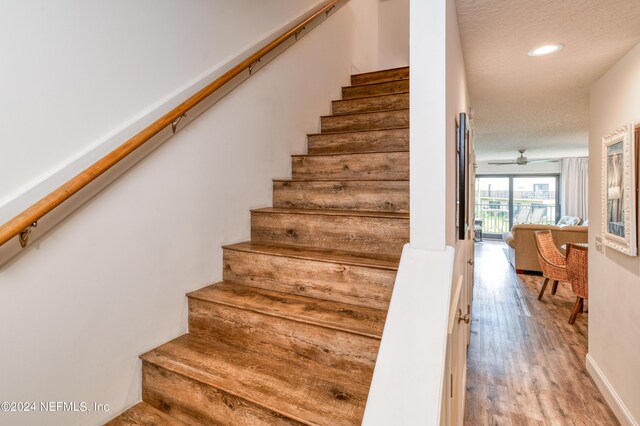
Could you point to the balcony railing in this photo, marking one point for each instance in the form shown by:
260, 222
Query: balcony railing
494, 217
518, 195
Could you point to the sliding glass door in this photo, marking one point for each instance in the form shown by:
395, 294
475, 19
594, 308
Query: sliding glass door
507, 200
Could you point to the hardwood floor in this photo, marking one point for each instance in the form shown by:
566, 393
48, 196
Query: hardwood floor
526, 362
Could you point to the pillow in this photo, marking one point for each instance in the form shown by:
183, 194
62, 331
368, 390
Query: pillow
569, 221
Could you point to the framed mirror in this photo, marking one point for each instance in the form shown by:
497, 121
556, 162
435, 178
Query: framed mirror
619, 209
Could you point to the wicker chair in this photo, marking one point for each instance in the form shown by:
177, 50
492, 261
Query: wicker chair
552, 262
577, 270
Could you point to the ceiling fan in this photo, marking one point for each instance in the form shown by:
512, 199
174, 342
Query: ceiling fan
522, 160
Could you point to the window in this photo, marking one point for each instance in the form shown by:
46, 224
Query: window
504, 201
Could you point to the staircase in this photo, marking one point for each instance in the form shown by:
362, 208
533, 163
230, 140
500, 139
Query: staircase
291, 334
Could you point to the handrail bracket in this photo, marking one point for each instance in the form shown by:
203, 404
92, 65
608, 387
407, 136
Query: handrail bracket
253, 65
329, 11
24, 235
297, 33
174, 125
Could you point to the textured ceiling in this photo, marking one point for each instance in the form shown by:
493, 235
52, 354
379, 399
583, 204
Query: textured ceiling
541, 104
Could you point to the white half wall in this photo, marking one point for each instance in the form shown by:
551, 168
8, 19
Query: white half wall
614, 278
428, 133
109, 282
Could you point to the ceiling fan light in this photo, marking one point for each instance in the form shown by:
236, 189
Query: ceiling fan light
546, 49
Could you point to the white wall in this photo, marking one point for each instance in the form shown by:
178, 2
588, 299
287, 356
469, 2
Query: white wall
109, 283
393, 33
614, 278
76, 70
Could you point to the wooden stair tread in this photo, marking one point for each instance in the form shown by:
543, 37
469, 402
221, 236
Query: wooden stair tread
352, 155
352, 213
321, 255
380, 75
144, 414
338, 316
364, 114
357, 131
339, 180
377, 83
280, 386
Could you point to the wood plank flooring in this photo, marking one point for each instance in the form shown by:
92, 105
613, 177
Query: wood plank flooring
526, 362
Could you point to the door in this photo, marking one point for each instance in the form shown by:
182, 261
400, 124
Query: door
457, 356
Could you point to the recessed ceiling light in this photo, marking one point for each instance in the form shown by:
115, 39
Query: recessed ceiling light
546, 50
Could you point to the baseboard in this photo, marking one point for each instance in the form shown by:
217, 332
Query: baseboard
609, 393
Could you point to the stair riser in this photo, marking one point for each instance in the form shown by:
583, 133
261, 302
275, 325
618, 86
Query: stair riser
355, 285
372, 141
380, 76
366, 121
375, 166
196, 403
388, 88
390, 196
376, 103
351, 233
284, 338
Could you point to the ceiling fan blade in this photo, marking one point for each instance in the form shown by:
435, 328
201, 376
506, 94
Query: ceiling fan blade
501, 163
544, 160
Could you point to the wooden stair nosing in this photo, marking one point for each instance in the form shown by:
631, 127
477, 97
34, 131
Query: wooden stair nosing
341, 180
335, 154
247, 382
382, 111
320, 255
376, 83
216, 294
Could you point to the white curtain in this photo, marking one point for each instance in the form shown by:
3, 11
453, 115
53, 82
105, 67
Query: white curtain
575, 187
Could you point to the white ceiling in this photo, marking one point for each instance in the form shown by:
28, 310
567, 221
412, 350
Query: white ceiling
541, 104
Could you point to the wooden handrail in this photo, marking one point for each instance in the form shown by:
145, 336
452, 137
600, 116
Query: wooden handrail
31, 215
